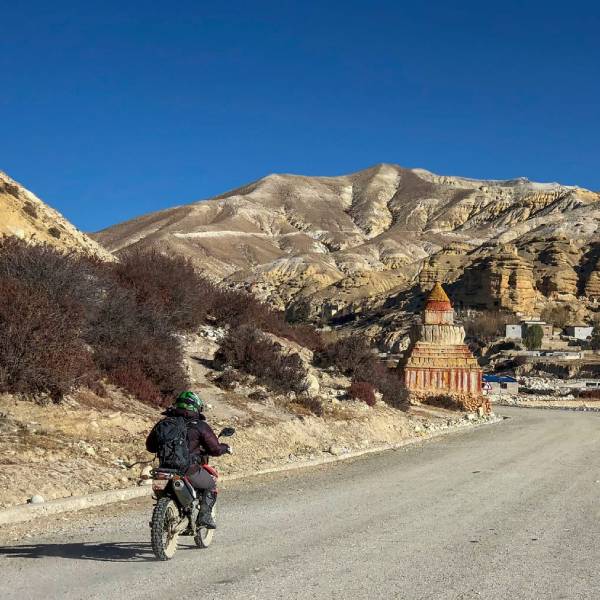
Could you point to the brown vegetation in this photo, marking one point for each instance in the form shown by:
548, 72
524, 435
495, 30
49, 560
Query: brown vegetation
486, 326
558, 315
68, 321
248, 349
361, 390
353, 356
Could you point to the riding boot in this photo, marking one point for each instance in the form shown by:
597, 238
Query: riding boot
205, 517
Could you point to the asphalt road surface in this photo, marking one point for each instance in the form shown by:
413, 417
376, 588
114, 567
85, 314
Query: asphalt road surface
508, 511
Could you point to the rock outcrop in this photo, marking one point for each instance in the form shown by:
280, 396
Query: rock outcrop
24, 215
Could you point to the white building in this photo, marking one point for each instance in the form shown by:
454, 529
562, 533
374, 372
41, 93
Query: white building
514, 332
579, 332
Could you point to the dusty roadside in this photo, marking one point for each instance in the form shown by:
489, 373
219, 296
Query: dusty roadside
91, 519
87, 443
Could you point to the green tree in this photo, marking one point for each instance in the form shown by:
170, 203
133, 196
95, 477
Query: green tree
595, 341
533, 337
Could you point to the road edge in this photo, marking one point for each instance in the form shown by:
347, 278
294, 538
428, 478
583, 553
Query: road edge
29, 512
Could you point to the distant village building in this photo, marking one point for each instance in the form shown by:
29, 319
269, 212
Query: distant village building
438, 360
500, 385
516, 331
579, 332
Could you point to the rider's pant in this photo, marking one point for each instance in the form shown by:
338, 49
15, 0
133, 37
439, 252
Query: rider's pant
203, 480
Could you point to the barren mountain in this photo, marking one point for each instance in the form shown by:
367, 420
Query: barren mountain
324, 247
24, 215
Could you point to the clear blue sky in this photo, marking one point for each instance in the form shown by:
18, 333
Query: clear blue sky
112, 109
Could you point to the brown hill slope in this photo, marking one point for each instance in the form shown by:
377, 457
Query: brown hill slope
326, 246
24, 215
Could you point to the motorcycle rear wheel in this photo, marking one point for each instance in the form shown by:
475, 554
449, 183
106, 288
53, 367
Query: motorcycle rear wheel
204, 536
164, 535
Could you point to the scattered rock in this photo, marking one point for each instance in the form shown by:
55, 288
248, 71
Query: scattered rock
36, 499
146, 472
310, 386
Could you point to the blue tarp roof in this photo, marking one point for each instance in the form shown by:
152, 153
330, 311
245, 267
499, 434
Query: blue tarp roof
498, 379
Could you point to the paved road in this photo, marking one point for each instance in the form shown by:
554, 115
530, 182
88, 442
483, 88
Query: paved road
508, 511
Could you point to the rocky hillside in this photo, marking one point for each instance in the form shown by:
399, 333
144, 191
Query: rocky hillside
325, 247
24, 215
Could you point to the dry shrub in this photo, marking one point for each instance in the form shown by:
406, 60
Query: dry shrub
347, 354
9, 188
136, 348
164, 284
229, 379
487, 325
236, 308
558, 315
246, 348
353, 356
67, 321
311, 406
41, 353
361, 390
43, 307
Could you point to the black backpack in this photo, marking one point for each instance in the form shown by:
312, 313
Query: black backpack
173, 450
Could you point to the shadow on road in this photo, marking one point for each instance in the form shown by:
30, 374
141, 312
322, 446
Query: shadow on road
111, 552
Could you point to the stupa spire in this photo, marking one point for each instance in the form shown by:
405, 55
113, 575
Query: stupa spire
438, 294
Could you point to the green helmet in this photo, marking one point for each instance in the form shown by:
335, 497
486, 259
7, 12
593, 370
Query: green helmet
190, 401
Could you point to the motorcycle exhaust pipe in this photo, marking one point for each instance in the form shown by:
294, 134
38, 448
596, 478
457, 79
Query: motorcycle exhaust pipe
183, 493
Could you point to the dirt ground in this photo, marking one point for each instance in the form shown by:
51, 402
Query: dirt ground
87, 443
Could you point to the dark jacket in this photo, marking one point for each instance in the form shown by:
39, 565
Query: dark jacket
201, 438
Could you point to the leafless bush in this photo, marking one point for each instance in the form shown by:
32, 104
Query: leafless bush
347, 354
486, 326
10, 188
228, 379
236, 308
165, 284
361, 390
312, 405
136, 347
353, 356
41, 353
246, 348
557, 314
67, 320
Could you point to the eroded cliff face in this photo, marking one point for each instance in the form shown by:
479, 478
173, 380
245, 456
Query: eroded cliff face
24, 215
330, 247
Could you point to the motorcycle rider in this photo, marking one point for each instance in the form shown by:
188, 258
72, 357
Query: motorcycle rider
202, 441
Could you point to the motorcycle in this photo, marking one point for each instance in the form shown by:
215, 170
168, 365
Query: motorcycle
176, 510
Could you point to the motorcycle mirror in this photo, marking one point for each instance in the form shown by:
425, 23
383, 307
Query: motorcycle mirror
227, 432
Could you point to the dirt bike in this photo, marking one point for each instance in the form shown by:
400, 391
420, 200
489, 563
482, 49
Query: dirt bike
176, 510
